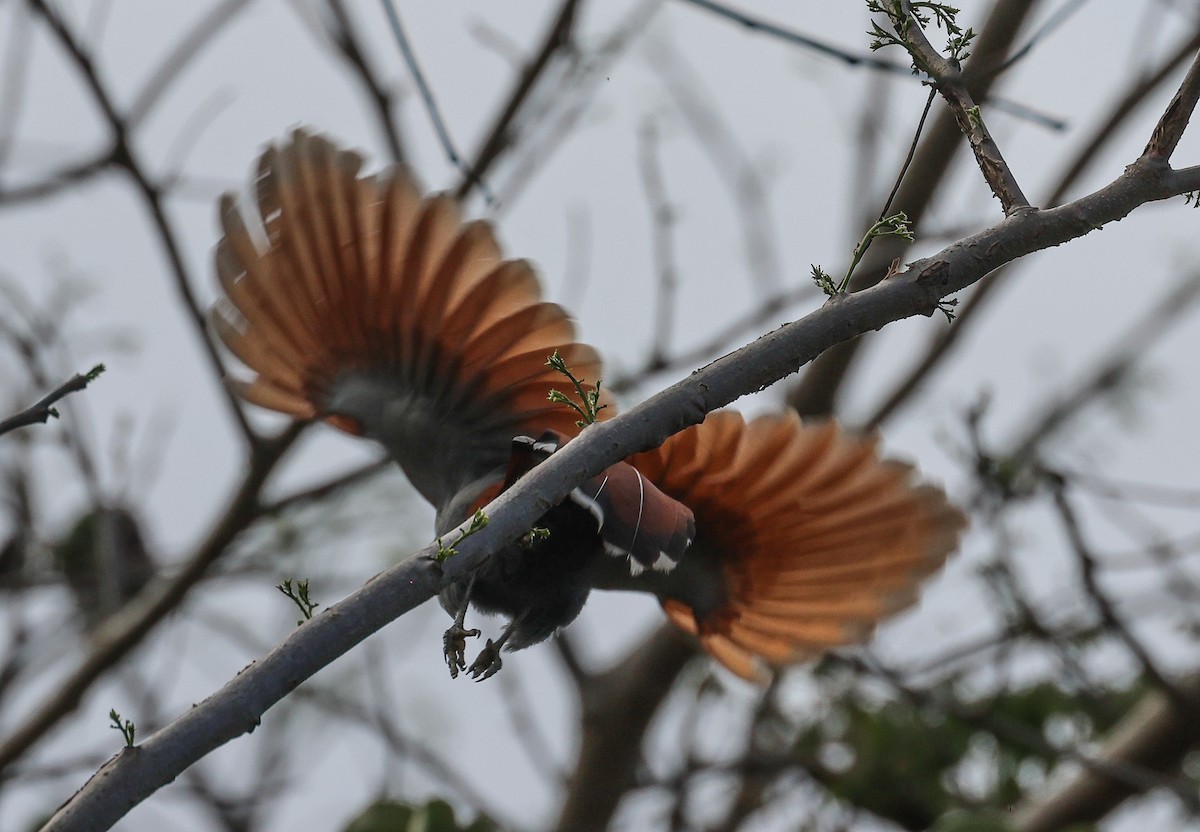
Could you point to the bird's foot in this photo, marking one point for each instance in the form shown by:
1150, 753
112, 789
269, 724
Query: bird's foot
487, 662
455, 647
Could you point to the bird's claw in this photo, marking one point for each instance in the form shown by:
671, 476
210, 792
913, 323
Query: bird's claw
486, 663
455, 646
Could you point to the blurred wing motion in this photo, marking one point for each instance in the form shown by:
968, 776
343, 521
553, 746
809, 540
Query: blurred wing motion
358, 301
804, 537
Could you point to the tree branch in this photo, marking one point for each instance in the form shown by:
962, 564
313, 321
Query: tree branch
1170, 127
948, 79
816, 392
124, 156
44, 408
946, 339
500, 136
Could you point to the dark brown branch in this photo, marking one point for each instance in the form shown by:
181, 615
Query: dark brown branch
948, 79
628, 695
945, 340
349, 46
500, 136
44, 408
817, 391
1174, 121
56, 182
1157, 322
124, 156
1111, 619
323, 489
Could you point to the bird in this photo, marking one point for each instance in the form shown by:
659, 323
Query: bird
358, 300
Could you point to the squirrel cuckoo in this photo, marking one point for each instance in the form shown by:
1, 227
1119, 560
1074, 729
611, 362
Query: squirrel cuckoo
356, 300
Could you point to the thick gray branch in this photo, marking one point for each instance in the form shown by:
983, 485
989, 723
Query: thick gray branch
136, 773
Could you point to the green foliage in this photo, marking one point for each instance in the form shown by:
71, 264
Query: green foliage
962, 821
895, 225
126, 727
534, 535
906, 763
589, 406
946, 307
299, 596
823, 280
434, 816
944, 16
478, 521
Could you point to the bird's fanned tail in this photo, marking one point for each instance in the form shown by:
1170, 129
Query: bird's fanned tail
814, 537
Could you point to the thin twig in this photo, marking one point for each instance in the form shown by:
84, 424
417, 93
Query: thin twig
349, 44
553, 119
948, 79
431, 106
500, 135
869, 59
662, 217
912, 149
1157, 322
942, 344
124, 156
1111, 619
322, 490
43, 410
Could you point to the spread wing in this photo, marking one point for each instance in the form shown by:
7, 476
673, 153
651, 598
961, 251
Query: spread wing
804, 537
357, 300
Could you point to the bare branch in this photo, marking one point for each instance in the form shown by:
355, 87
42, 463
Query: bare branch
817, 391
866, 59
431, 105
349, 44
125, 157
1113, 622
1174, 121
125, 630
44, 408
500, 136
948, 79
944, 341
